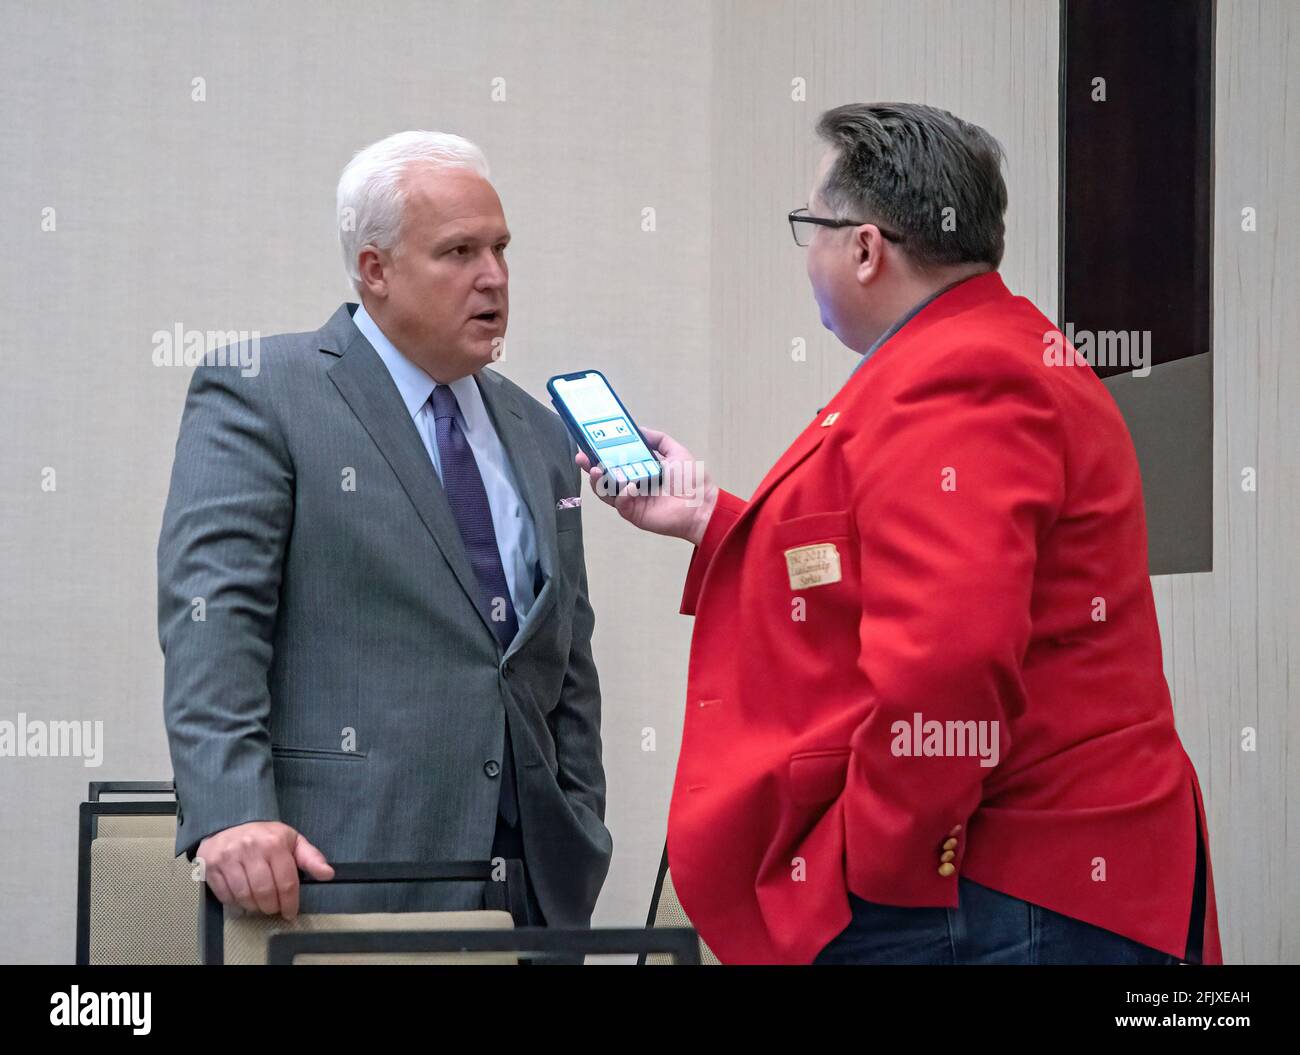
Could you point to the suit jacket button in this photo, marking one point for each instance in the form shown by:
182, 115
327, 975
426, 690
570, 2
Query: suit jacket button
949, 844
492, 767
946, 869
946, 856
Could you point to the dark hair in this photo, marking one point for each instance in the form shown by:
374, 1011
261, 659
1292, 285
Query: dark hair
903, 165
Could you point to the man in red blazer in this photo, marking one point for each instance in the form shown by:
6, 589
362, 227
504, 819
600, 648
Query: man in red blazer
927, 720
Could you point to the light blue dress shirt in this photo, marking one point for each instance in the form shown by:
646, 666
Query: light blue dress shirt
513, 524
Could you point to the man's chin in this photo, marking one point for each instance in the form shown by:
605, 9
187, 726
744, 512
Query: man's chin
486, 352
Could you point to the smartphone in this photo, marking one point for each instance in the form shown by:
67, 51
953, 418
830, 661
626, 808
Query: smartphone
602, 427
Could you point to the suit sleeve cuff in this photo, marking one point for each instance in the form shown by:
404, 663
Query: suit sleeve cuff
726, 512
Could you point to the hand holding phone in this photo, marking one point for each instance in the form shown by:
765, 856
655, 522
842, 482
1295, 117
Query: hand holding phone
678, 504
657, 484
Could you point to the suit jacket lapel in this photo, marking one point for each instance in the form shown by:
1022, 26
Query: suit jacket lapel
364, 382
530, 476
805, 443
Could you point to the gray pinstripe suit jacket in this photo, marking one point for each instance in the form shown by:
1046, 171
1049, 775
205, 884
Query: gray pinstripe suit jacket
344, 678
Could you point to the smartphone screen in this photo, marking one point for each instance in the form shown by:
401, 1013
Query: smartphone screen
602, 426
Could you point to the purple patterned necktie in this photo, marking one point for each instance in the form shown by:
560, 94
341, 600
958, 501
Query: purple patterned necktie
469, 505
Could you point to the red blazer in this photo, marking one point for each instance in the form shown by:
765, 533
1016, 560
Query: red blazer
978, 553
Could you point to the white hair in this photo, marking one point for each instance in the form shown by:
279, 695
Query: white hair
371, 197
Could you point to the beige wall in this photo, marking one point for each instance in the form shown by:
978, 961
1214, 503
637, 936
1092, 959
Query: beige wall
218, 215
1232, 637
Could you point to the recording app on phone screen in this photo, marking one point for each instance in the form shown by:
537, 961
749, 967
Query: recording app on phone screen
606, 427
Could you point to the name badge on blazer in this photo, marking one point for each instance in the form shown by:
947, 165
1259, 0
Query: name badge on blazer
817, 565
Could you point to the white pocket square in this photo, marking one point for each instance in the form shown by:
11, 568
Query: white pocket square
569, 503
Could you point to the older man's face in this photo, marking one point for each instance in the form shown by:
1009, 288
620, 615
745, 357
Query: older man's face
448, 294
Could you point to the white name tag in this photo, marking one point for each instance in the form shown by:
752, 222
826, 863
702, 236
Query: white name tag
816, 565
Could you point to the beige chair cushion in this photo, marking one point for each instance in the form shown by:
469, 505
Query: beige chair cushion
143, 904
137, 827
669, 913
247, 935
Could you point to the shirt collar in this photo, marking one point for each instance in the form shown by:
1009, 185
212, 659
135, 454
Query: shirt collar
908, 317
413, 384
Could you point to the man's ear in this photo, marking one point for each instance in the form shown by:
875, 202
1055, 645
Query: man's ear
868, 252
370, 266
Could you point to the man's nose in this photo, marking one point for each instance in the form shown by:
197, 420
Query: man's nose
492, 275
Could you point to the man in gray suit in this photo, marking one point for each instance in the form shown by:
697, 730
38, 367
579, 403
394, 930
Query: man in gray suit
372, 598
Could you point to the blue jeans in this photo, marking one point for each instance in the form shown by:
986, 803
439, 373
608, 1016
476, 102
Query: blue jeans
986, 927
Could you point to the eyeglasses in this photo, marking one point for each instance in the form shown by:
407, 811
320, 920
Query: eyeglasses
803, 234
